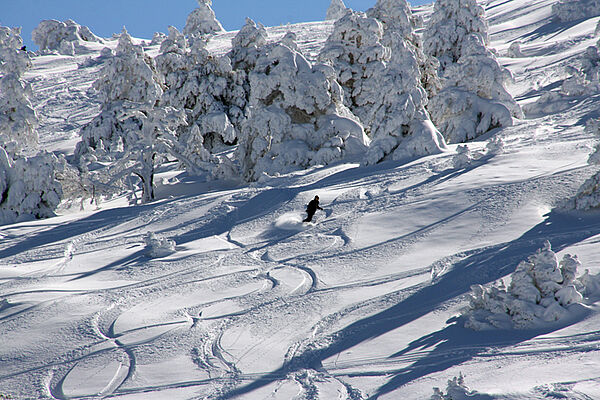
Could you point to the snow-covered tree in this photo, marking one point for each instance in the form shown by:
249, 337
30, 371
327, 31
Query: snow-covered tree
337, 9
132, 134
202, 20
204, 86
129, 76
18, 119
296, 115
541, 290
573, 10
450, 24
395, 118
246, 44
28, 187
399, 22
474, 99
62, 37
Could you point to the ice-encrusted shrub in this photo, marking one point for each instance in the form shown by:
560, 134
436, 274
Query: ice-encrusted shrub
337, 9
463, 157
202, 20
18, 119
296, 115
541, 290
129, 139
457, 390
582, 80
158, 247
395, 118
28, 187
573, 10
495, 146
62, 37
585, 79
514, 50
474, 99
398, 21
450, 24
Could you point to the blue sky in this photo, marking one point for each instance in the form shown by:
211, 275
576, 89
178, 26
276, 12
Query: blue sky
144, 17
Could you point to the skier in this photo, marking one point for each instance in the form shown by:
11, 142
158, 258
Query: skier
312, 208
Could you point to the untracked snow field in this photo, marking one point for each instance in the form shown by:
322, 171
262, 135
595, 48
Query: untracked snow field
363, 303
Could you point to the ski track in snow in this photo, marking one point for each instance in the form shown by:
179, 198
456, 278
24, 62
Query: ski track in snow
255, 304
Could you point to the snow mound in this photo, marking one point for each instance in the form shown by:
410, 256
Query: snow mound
542, 290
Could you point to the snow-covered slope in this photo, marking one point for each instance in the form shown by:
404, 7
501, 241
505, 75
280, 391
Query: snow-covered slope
363, 303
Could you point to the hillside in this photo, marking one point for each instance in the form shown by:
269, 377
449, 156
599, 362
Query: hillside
364, 303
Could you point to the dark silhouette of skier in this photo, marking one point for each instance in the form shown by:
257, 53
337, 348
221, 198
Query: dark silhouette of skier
312, 208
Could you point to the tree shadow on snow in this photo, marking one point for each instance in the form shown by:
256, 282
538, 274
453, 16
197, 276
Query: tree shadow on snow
551, 29
104, 219
480, 267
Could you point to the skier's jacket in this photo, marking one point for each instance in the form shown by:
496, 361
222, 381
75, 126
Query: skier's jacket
313, 206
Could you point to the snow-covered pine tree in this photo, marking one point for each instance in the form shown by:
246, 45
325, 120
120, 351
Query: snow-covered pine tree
132, 134
201, 83
246, 48
204, 86
337, 9
246, 44
473, 99
28, 187
398, 21
395, 118
451, 22
18, 119
129, 76
202, 20
296, 114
